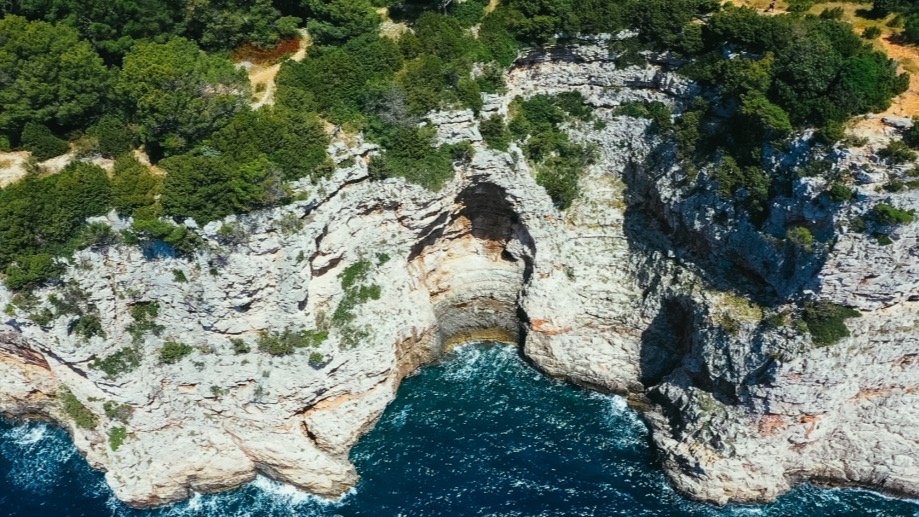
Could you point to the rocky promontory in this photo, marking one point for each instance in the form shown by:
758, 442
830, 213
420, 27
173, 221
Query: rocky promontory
276, 345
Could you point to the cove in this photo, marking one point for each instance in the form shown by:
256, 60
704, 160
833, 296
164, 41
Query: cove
479, 433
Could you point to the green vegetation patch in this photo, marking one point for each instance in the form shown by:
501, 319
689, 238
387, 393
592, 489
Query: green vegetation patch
559, 162
121, 362
144, 315
289, 341
411, 154
42, 217
116, 411
116, 437
826, 322
79, 413
887, 215
353, 280
173, 351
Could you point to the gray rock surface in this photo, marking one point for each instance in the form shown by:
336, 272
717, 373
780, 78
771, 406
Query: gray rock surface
643, 288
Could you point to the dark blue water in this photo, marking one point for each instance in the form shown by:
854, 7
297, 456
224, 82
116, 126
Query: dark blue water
481, 433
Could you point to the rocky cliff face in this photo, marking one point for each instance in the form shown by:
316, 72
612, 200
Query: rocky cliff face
634, 290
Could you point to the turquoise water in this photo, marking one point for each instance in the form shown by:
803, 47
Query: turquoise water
481, 433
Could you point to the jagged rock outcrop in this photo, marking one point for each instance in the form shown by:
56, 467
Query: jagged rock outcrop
628, 291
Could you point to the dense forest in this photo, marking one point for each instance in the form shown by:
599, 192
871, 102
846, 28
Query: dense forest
106, 77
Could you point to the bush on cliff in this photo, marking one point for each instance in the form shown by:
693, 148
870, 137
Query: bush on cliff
42, 217
289, 341
121, 362
887, 215
173, 351
412, 154
81, 415
826, 322
133, 185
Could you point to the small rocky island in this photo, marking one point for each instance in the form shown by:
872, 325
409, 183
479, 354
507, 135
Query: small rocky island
763, 346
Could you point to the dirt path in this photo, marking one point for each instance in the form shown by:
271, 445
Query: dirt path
262, 77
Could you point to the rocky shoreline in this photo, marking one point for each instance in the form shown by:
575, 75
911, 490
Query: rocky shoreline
644, 287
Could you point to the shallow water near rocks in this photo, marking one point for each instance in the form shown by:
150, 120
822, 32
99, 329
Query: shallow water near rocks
479, 433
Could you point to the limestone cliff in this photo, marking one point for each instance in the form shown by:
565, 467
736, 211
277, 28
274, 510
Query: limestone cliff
646, 287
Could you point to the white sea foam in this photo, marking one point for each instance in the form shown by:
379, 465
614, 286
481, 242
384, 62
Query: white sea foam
29, 434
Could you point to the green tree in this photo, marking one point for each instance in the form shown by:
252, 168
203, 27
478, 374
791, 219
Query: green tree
114, 136
294, 142
226, 24
207, 188
41, 142
495, 133
133, 185
336, 21
180, 94
340, 81
111, 25
31, 270
47, 76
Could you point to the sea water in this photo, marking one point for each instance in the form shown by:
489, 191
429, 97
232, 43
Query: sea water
480, 433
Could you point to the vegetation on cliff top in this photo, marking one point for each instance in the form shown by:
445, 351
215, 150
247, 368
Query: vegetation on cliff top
108, 76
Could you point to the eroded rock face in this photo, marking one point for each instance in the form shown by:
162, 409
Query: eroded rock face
626, 292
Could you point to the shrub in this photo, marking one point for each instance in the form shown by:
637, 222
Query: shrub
353, 279
114, 136
123, 361
116, 437
495, 133
173, 352
32, 270
894, 185
179, 237
887, 215
840, 193
560, 179
826, 322
731, 178
858, 225
411, 154
872, 32
832, 13
179, 276
897, 152
800, 6
240, 346
801, 237
79, 413
41, 142
911, 29
316, 359
287, 342
883, 239
89, 326
217, 391
831, 133
133, 185
656, 111
116, 411
144, 315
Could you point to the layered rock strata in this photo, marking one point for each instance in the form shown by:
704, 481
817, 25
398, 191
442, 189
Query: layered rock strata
642, 288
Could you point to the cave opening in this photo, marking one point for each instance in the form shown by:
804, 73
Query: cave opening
475, 263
